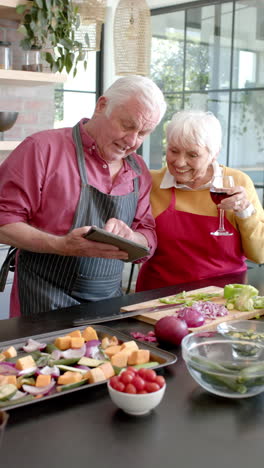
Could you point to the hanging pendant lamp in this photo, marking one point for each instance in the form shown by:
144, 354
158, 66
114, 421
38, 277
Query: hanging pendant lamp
132, 38
92, 17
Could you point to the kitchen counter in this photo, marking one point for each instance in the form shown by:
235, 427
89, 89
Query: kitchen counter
189, 428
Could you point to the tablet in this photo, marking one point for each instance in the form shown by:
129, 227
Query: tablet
134, 250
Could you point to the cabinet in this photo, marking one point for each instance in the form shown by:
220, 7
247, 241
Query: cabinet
19, 77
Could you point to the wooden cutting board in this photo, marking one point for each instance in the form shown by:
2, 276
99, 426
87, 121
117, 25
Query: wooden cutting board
152, 318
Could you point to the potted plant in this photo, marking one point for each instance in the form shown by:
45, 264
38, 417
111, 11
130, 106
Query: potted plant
50, 25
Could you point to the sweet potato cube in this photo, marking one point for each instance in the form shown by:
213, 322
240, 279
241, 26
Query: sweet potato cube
76, 342
76, 333
25, 362
129, 346
95, 375
8, 379
109, 341
107, 369
120, 359
69, 377
63, 342
141, 356
89, 334
11, 379
10, 352
43, 380
3, 379
111, 350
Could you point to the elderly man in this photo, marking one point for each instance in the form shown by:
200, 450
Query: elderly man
57, 183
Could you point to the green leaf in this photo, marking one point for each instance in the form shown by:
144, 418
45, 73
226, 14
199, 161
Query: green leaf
39, 3
21, 8
48, 57
22, 30
69, 63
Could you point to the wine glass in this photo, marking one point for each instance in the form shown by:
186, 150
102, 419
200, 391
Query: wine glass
218, 192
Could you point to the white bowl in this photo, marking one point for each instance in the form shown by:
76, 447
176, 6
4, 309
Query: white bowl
136, 405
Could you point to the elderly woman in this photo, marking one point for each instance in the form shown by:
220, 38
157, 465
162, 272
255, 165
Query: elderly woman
186, 215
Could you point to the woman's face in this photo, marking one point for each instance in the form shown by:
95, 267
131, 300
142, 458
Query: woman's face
189, 165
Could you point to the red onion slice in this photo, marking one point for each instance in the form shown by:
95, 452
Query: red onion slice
38, 390
74, 353
7, 368
33, 345
30, 371
92, 348
54, 371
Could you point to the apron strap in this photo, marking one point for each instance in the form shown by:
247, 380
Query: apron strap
80, 154
8, 265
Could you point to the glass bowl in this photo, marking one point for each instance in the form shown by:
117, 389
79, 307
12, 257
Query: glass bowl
212, 362
136, 405
241, 330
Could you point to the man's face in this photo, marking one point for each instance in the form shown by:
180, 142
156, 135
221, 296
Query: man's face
124, 130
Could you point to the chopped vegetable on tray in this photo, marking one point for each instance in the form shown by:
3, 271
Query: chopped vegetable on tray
38, 369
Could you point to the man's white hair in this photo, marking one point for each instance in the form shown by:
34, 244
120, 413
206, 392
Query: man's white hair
145, 90
195, 127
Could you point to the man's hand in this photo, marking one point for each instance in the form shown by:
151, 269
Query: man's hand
23, 236
118, 227
74, 244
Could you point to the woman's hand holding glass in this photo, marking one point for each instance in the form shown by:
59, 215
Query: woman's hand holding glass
220, 190
227, 196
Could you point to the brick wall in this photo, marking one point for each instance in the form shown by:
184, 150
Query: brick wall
35, 104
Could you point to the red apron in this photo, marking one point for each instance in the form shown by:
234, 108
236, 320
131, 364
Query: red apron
187, 252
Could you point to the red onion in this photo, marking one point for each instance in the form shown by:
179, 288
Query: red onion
38, 390
29, 371
47, 370
92, 348
8, 368
171, 330
150, 336
74, 353
192, 317
209, 310
33, 345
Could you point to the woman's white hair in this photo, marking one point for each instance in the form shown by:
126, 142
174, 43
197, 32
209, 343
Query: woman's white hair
145, 90
195, 127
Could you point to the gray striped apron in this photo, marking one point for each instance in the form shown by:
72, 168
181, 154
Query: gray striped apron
48, 281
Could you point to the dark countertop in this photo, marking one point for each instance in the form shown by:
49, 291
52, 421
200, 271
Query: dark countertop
190, 428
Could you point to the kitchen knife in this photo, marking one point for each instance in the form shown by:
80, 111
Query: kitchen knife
122, 315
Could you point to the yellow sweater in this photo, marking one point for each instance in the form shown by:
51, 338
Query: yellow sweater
251, 229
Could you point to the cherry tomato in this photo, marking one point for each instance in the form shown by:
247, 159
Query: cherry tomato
150, 375
131, 369
151, 387
142, 372
130, 388
139, 383
114, 380
119, 386
126, 377
160, 381
141, 392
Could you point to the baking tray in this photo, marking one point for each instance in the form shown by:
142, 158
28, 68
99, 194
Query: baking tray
164, 358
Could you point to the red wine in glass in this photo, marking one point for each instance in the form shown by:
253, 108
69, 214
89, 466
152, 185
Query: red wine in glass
217, 197
218, 193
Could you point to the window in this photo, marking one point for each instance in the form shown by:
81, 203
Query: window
203, 57
76, 98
